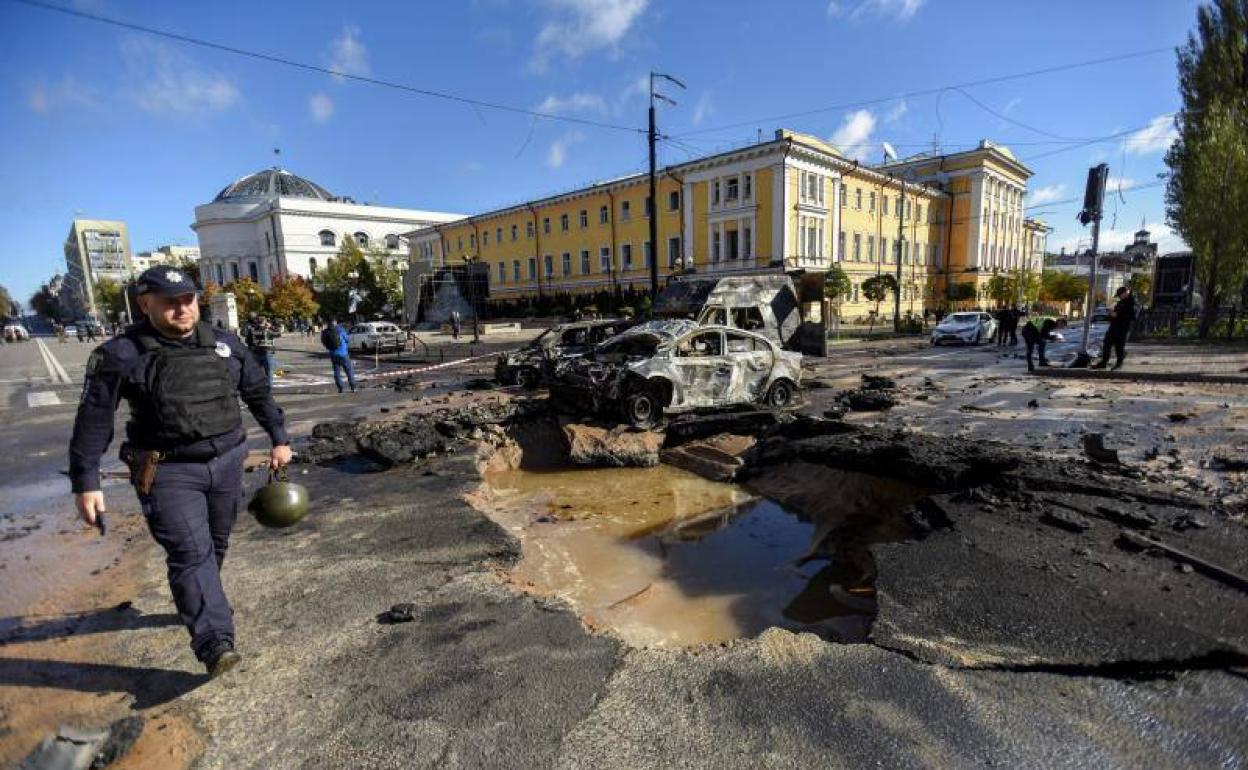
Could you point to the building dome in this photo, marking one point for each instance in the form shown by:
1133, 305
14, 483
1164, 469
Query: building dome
272, 183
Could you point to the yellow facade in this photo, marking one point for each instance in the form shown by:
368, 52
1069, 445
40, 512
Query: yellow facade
793, 204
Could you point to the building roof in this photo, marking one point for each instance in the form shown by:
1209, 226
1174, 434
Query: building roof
272, 183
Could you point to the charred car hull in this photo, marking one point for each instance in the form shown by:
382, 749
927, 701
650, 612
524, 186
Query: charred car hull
535, 363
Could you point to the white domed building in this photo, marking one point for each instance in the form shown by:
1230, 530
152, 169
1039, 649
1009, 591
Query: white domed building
274, 224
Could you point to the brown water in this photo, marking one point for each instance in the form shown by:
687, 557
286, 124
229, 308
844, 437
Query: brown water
663, 557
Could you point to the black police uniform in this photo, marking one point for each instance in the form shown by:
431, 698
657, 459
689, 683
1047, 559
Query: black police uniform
183, 396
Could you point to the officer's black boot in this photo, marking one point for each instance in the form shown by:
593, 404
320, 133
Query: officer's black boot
220, 657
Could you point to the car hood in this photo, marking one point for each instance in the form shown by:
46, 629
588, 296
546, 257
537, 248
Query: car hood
957, 327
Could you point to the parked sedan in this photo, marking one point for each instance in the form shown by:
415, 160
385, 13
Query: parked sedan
376, 337
534, 362
676, 366
971, 328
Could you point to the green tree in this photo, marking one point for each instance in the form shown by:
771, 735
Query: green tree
1141, 285
1206, 198
962, 292
375, 278
111, 298
1002, 289
46, 303
1027, 285
248, 298
291, 298
1060, 286
836, 285
7, 305
876, 289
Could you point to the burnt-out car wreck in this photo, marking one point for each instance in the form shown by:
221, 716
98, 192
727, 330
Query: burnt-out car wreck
534, 364
676, 366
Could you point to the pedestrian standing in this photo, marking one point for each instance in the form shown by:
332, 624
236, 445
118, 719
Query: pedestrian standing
455, 324
334, 340
185, 444
1003, 323
1036, 333
1014, 315
1120, 320
91, 331
262, 340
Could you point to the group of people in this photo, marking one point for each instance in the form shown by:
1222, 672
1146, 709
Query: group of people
1039, 330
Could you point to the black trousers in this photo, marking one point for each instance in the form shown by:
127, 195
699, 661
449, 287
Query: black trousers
1034, 341
190, 511
1117, 340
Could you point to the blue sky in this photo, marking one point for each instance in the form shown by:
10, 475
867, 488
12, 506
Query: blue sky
114, 123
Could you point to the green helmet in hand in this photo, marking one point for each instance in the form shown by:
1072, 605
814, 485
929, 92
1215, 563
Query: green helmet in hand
280, 503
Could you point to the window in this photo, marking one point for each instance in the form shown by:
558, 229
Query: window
885, 255
254, 271
514, 232
673, 200
567, 263
485, 238
649, 206
626, 256
312, 265
498, 235
548, 264
327, 238
604, 215
647, 254
220, 275
749, 186
532, 268
625, 210
515, 270
472, 240
739, 343
919, 212
361, 240
732, 189
715, 193
268, 243
673, 251
502, 272
701, 345
545, 225
734, 244
858, 198
604, 259
584, 219
870, 248
871, 201
748, 318
715, 245
857, 247
747, 238
529, 228
884, 204
460, 243
844, 195
584, 261
897, 210
563, 222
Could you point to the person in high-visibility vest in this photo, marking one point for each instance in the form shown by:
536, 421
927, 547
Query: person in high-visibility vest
1036, 332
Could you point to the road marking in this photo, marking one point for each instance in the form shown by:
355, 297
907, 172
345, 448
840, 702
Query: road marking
42, 398
55, 370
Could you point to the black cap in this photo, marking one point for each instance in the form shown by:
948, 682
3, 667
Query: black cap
165, 281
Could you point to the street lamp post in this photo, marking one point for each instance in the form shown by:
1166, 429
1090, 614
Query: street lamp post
469, 261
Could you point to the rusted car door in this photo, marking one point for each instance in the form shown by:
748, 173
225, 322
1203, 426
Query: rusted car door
703, 369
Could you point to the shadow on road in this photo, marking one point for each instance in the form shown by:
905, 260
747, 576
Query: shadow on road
15, 629
149, 686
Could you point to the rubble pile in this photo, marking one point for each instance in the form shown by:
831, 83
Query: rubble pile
876, 394
618, 447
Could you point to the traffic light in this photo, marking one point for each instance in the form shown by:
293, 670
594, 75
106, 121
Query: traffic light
1094, 193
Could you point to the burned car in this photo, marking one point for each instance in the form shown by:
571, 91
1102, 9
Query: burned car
677, 366
534, 363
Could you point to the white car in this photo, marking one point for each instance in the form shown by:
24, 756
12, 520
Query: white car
15, 333
969, 327
376, 336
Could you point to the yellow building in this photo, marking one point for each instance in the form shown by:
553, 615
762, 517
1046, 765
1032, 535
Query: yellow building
793, 204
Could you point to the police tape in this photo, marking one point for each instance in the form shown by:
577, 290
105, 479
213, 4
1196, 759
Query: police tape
433, 367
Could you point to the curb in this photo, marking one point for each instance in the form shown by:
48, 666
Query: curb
1176, 377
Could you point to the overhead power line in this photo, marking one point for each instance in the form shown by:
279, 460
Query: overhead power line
930, 91
446, 95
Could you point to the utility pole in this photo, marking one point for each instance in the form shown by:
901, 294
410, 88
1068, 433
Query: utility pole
654, 202
901, 238
1093, 200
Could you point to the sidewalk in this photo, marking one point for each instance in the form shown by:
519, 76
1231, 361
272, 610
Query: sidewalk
1168, 362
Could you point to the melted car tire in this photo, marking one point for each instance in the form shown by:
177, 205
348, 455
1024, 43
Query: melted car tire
779, 395
526, 378
641, 409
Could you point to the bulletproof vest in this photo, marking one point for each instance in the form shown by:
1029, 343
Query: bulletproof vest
191, 395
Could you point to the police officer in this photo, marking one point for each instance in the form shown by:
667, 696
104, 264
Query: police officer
185, 444
1037, 332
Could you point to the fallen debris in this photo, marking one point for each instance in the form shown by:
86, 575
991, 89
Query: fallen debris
1231, 464
1071, 522
617, 447
1094, 447
399, 613
74, 748
719, 458
1134, 541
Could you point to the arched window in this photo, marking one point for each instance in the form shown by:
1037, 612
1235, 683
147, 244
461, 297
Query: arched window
392, 241
361, 240
327, 238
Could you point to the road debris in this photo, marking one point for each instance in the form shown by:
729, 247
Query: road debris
1094, 447
619, 446
399, 613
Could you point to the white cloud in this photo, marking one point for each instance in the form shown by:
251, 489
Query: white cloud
896, 112
1157, 137
558, 153
853, 137
898, 10
44, 97
169, 82
581, 26
348, 55
1053, 192
1115, 183
1166, 238
704, 108
321, 107
577, 102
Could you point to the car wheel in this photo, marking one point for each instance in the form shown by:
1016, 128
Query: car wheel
526, 378
780, 394
641, 409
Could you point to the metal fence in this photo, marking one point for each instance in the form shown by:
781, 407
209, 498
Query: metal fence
1229, 323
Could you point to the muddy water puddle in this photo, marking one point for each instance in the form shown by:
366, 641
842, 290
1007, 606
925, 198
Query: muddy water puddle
663, 557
